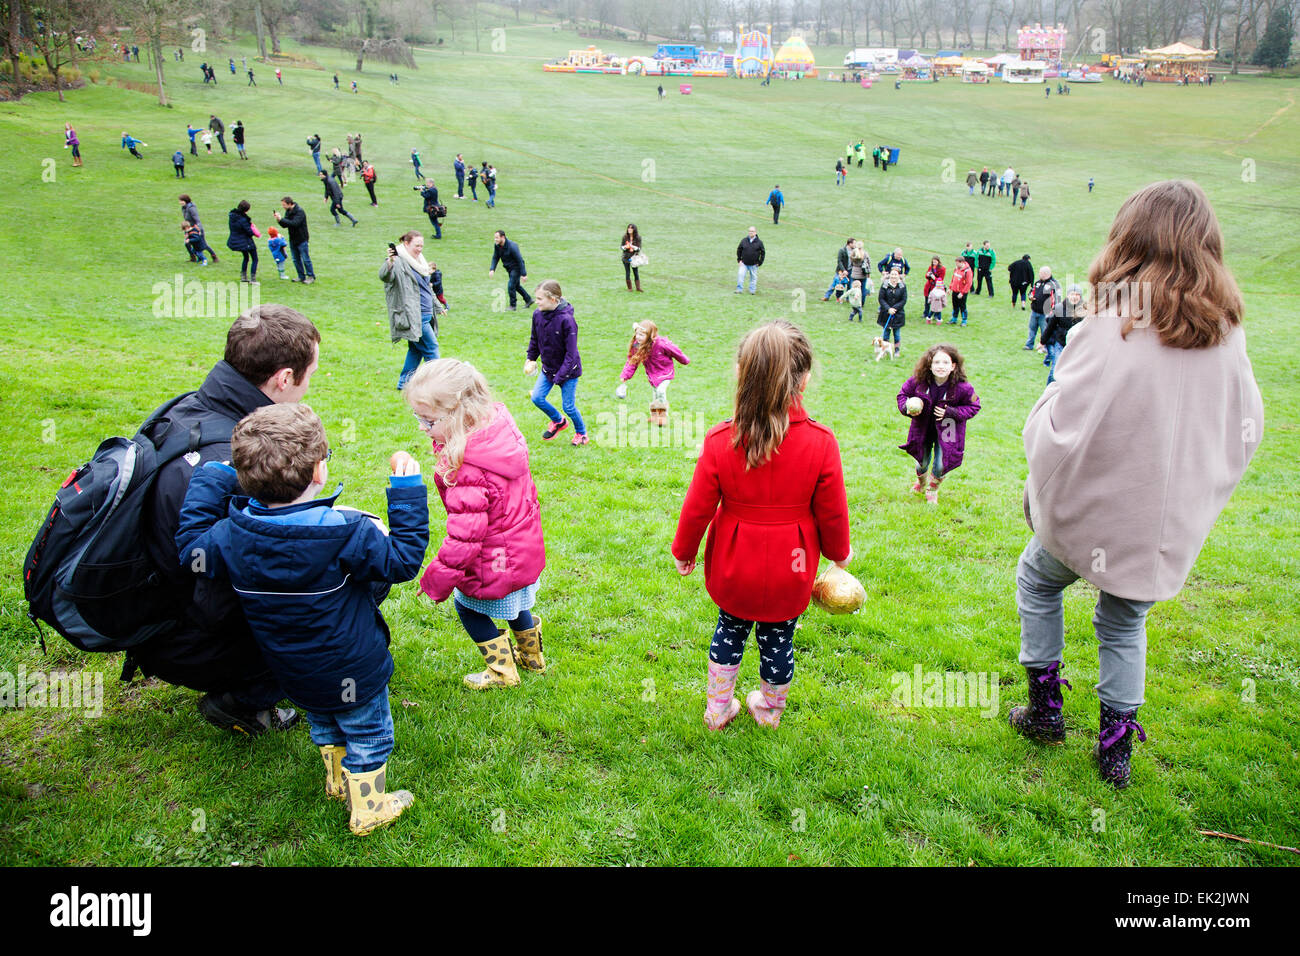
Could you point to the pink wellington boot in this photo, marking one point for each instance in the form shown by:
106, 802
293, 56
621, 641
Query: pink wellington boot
722, 706
765, 705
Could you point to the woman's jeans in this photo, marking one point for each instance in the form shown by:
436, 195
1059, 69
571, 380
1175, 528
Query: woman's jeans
629, 270
568, 391
250, 255
366, 731
425, 349
1119, 623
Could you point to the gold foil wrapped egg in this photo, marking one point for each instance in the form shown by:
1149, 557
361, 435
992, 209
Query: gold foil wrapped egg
837, 592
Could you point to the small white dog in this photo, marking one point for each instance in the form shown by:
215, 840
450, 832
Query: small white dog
882, 348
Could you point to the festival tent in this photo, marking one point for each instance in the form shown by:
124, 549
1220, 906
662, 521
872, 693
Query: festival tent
795, 57
973, 71
948, 65
1023, 71
1177, 60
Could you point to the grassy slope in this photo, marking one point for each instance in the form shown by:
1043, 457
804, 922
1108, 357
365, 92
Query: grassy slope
591, 763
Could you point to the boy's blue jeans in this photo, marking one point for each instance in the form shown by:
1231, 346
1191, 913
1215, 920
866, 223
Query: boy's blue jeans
1053, 351
568, 395
366, 731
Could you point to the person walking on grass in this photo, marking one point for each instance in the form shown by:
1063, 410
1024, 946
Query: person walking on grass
776, 200
488, 175
459, 167
472, 171
178, 163
278, 78
632, 256
1133, 452
768, 482
1043, 299
313, 143
413, 309
71, 142
334, 199
1021, 276
368, 176
940, 401
242, 239
192, 131
251, 81
962, 277
985, 260
750, 255
196, 243
432, 208
415, 161
972, 181
218, 128
1024, 195
132, 144
935, 273
506, 252
492, 557
294, 220
554, 340
237, 134
891, 315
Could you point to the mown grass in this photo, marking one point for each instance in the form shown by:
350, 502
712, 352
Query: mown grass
603, 760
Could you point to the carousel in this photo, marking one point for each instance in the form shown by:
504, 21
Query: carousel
1169, 64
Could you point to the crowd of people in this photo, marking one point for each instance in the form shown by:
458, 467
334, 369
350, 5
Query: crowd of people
767, 479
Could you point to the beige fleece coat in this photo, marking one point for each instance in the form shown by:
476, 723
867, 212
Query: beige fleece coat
1133, 452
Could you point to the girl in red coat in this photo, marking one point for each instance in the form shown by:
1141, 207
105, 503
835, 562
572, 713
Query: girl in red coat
769, 487
494, 553
933, 275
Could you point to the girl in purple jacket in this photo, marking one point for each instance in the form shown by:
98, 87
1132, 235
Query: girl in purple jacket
939, 401
555, 342
656, 353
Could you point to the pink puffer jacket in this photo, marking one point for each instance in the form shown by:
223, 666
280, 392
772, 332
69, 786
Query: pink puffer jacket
659, 366
494, 542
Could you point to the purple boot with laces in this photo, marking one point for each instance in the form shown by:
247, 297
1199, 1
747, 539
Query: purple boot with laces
1042, 719
1115, 744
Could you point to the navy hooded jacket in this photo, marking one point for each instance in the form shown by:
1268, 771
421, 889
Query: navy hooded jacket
303, 574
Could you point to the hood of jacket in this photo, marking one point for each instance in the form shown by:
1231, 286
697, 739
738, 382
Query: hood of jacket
498, 448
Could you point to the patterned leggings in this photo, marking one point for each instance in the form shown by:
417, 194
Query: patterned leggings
775, 645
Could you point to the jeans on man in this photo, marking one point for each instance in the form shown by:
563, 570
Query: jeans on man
514, 288
568, 398
423, 349
365, 730
1119, 623
315, 155
302, 261
752, 272
1053, 352
1037, 322
221, 138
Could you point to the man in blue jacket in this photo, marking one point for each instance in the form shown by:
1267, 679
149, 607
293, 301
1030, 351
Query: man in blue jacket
894, 260
507, 253
316, 617
776, 201
459, 166
205, 642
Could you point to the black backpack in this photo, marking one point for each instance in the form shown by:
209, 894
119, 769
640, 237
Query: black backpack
88, 573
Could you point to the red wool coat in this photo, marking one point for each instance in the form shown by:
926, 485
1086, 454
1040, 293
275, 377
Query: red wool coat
933, 275
768, 526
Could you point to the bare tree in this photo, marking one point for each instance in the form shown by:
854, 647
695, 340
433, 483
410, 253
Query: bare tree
390, 50
53, 40
152, 18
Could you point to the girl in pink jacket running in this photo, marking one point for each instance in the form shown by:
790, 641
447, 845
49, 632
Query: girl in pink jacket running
493, 554
657, 354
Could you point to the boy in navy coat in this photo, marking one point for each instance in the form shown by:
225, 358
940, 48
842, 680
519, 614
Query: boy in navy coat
309, 577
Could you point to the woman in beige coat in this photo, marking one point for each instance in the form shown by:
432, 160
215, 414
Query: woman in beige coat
1133, 451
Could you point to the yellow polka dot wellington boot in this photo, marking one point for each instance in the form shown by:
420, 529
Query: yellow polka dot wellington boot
371, 803
528, 647
500, 658
335, 787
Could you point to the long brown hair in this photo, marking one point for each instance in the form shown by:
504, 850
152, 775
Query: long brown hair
1165, 249
922, 374
639, 355
773, 360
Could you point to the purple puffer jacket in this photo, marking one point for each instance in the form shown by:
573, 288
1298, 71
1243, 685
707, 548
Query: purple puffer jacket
555, 341
494, 542
659, 366
961, 403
